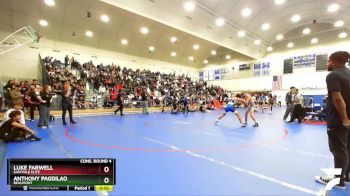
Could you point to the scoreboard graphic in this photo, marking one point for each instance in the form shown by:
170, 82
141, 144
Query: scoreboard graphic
85, 174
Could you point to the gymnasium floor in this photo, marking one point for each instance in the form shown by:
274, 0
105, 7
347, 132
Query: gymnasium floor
164, 154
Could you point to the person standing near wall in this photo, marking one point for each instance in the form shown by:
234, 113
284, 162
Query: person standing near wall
33, 100
338, 113
44, 107
311, 101
16, 96
120, 104
297, 111
144, 99
67, 103
289, 103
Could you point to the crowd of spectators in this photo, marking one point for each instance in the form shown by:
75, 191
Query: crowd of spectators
110, 80
59, 72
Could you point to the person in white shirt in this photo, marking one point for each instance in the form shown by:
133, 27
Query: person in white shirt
297, 109
102, 90
17, 106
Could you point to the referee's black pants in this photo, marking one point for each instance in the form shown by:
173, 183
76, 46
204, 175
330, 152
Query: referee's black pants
65, 107
120, 108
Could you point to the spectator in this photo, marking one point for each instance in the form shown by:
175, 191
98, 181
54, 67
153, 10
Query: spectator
297, 112
144, 98
18, 107
33, 99
13, 130
66, 60
311, 101
289, 103
44, 107
16, 96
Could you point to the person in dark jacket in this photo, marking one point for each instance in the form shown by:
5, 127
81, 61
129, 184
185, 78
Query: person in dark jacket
44, 107
33, 99
119, 103
144, 98
67, 103
289, 103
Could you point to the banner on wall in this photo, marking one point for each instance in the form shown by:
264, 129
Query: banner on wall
262, 69
257, 69
265, 69
276, 83
217, 74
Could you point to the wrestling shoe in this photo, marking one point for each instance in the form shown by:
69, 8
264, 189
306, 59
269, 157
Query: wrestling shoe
34, 138
325, 179
243, 125
18, 140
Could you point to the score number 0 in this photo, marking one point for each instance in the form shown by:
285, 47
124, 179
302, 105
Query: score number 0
106, 170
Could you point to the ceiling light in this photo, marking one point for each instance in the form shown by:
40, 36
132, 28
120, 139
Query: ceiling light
333, 7
196, 46
279, 37
151, 48
279, 2
189, 6
246, 12
213, 52
104, 18
50, 2
342, 35
124, 42
205, 61
339, 23
173, 39
191, 58
89, 33
173, 53
227, 57
269, 48
314, 40
306, 31
219, 22
257, 42
241, 33
290, 45
265, 26
144, 30
295, 18
43, 23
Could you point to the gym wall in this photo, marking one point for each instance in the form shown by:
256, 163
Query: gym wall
304, 78
22, 63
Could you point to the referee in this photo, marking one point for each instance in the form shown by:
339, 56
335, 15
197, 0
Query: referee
67, 103
338, 113
119, 103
